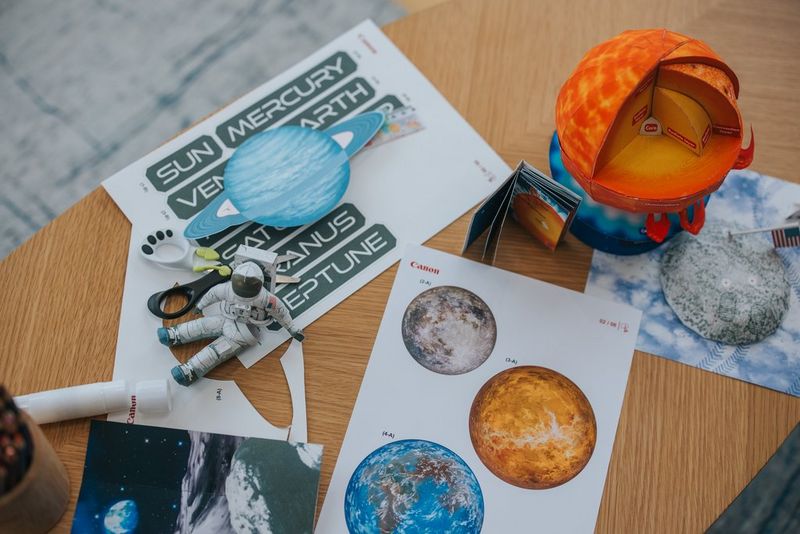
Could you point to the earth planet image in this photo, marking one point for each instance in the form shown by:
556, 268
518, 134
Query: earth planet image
413, 486
532, 427
449, 330
121, 518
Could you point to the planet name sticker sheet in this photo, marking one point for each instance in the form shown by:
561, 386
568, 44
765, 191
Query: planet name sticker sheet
424, 153
490, 402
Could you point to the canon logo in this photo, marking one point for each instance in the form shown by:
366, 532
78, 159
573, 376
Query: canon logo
426, 268
132, 412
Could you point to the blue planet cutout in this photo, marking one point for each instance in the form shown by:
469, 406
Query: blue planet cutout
413, 486
121, 518
602, 227
287, 176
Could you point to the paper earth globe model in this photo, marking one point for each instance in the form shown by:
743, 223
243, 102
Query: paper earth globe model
648, 126
532, 427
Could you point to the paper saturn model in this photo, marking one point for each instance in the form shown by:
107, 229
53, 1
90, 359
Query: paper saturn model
647, 127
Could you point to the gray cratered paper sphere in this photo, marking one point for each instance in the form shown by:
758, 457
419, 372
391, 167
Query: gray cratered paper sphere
731, 289
449, 330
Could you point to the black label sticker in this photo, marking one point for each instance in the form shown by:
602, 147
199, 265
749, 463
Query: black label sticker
285, 100
333, 107
256, 236
183, 163
387, 104
317, 239
336, 270
197, 194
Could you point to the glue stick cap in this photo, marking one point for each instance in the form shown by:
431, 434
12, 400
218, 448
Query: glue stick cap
154, 396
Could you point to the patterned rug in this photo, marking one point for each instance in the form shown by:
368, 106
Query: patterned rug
89, 86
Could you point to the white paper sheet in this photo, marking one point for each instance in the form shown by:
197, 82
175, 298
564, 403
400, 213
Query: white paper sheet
403, 191
397, 194
588, 340
208, 405
294, 369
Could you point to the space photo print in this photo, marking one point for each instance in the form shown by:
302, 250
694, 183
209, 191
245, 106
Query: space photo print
149, 479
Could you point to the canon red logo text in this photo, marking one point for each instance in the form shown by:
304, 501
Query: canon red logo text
132, 412
426, 268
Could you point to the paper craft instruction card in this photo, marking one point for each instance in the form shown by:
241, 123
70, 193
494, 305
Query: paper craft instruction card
490, 402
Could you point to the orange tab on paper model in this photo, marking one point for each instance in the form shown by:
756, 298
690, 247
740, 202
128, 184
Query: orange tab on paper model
648, 123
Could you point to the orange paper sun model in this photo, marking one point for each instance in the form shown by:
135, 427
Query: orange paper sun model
648, 123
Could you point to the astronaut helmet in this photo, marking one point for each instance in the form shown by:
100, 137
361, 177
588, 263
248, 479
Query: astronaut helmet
247, 280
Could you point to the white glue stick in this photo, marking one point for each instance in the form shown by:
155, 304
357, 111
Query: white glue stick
94, 399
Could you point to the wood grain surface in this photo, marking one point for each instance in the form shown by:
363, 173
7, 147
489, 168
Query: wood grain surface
688, 440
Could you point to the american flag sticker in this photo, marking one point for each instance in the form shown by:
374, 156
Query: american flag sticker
786, 237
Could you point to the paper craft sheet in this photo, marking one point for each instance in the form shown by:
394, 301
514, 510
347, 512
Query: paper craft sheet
140, 478
407, 185
450, 329
402, 189
750, 200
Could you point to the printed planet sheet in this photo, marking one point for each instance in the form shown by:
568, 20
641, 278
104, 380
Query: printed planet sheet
481, 408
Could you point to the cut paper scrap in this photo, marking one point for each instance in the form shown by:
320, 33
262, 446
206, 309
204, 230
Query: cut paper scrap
399, 123
749, 200
209, 405
286, 177
293, 367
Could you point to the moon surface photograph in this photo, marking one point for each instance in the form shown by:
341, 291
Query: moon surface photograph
449, 330
532, 427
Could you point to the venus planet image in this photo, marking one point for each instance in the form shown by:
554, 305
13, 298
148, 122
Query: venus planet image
532, 427
449, 330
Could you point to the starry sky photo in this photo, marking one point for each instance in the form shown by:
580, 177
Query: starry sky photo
135, 463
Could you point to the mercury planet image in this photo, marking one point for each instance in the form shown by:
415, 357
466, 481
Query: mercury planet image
532, 427
449, 330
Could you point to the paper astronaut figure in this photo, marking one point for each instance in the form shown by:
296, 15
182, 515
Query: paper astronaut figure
232, 311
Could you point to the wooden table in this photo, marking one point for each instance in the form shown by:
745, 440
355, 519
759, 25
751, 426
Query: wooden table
688, 440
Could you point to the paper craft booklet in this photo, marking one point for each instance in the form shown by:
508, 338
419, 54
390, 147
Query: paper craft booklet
750, 200
542, 206
490, 402
397, 192
150, 479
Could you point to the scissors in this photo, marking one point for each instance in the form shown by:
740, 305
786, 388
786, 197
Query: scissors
192, 292
220, 271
